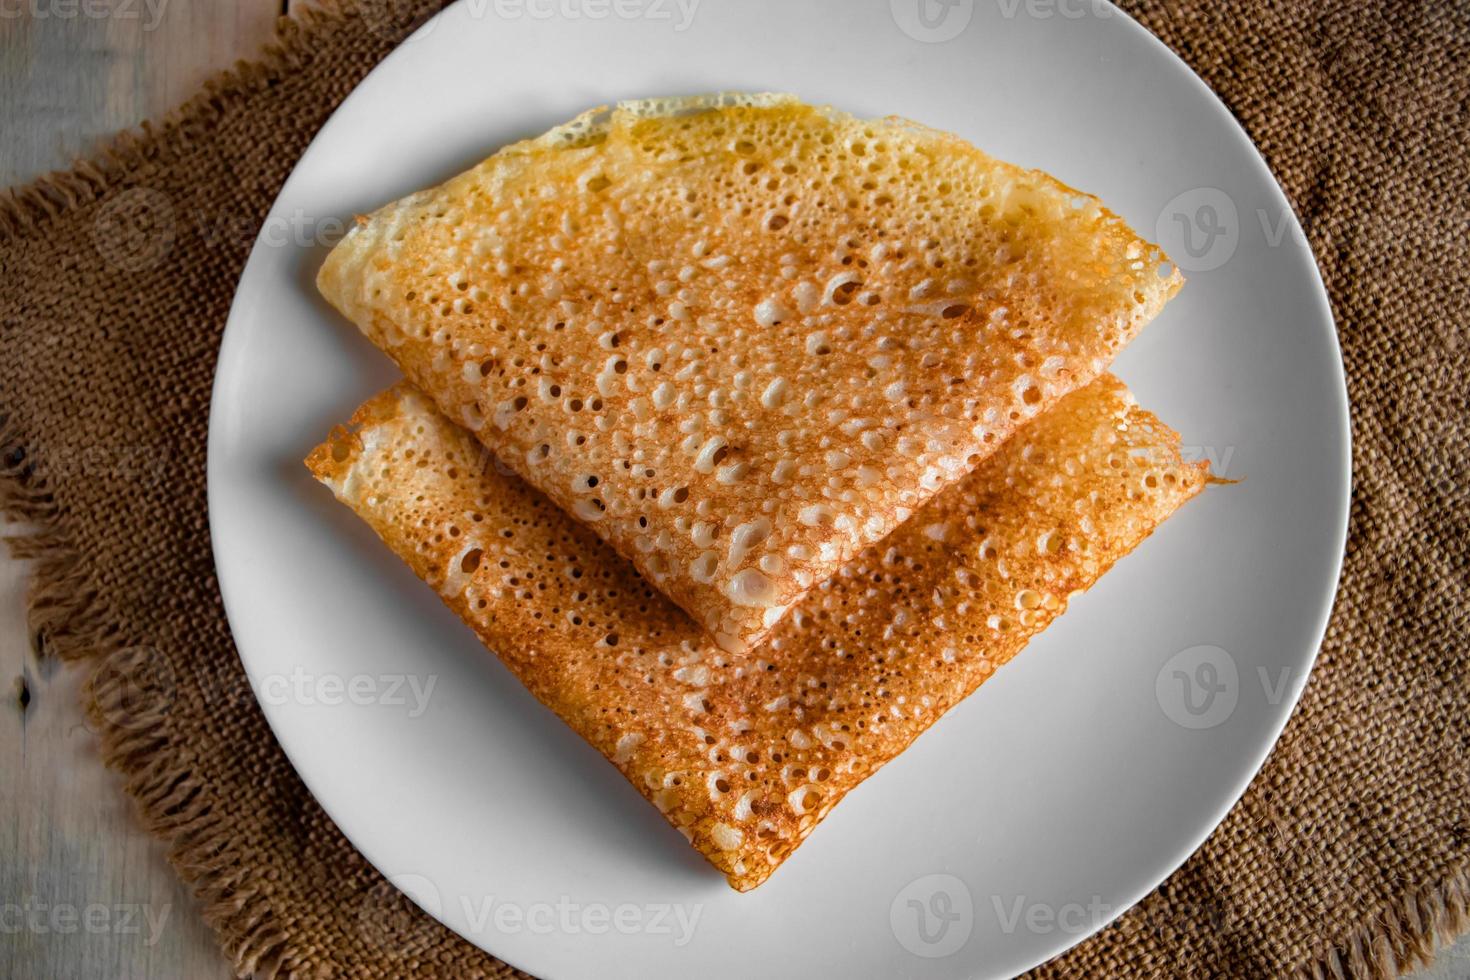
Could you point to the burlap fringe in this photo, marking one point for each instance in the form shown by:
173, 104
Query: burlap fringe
68, 618
1403, 938
31, 206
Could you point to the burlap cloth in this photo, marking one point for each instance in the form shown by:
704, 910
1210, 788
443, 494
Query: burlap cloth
1349, 854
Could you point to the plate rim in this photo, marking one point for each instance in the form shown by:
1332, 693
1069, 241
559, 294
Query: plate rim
1248, 766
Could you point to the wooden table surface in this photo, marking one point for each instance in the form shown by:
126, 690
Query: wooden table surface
84, 892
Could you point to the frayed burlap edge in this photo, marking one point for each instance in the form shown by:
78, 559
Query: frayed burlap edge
1399, 939
30, 206
68, 618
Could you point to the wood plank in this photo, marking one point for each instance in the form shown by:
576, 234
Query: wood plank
84, 892
69, 80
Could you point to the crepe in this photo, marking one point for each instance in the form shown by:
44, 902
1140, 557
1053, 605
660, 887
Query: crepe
741, 337
745, 753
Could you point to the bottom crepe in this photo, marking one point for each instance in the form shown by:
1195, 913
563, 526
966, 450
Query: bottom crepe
746, 753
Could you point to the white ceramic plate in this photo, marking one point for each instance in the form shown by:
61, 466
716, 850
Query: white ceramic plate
1038, 810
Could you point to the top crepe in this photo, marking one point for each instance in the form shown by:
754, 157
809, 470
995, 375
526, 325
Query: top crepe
741, 337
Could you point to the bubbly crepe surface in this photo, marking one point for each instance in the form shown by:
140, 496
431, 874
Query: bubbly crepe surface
743, 338
746, 752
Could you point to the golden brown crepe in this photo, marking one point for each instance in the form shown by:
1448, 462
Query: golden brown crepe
743, 338
746, 752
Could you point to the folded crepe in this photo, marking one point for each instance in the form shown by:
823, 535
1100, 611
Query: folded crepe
746, 752
742, 338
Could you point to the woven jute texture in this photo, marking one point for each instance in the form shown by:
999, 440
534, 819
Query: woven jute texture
1348, 856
